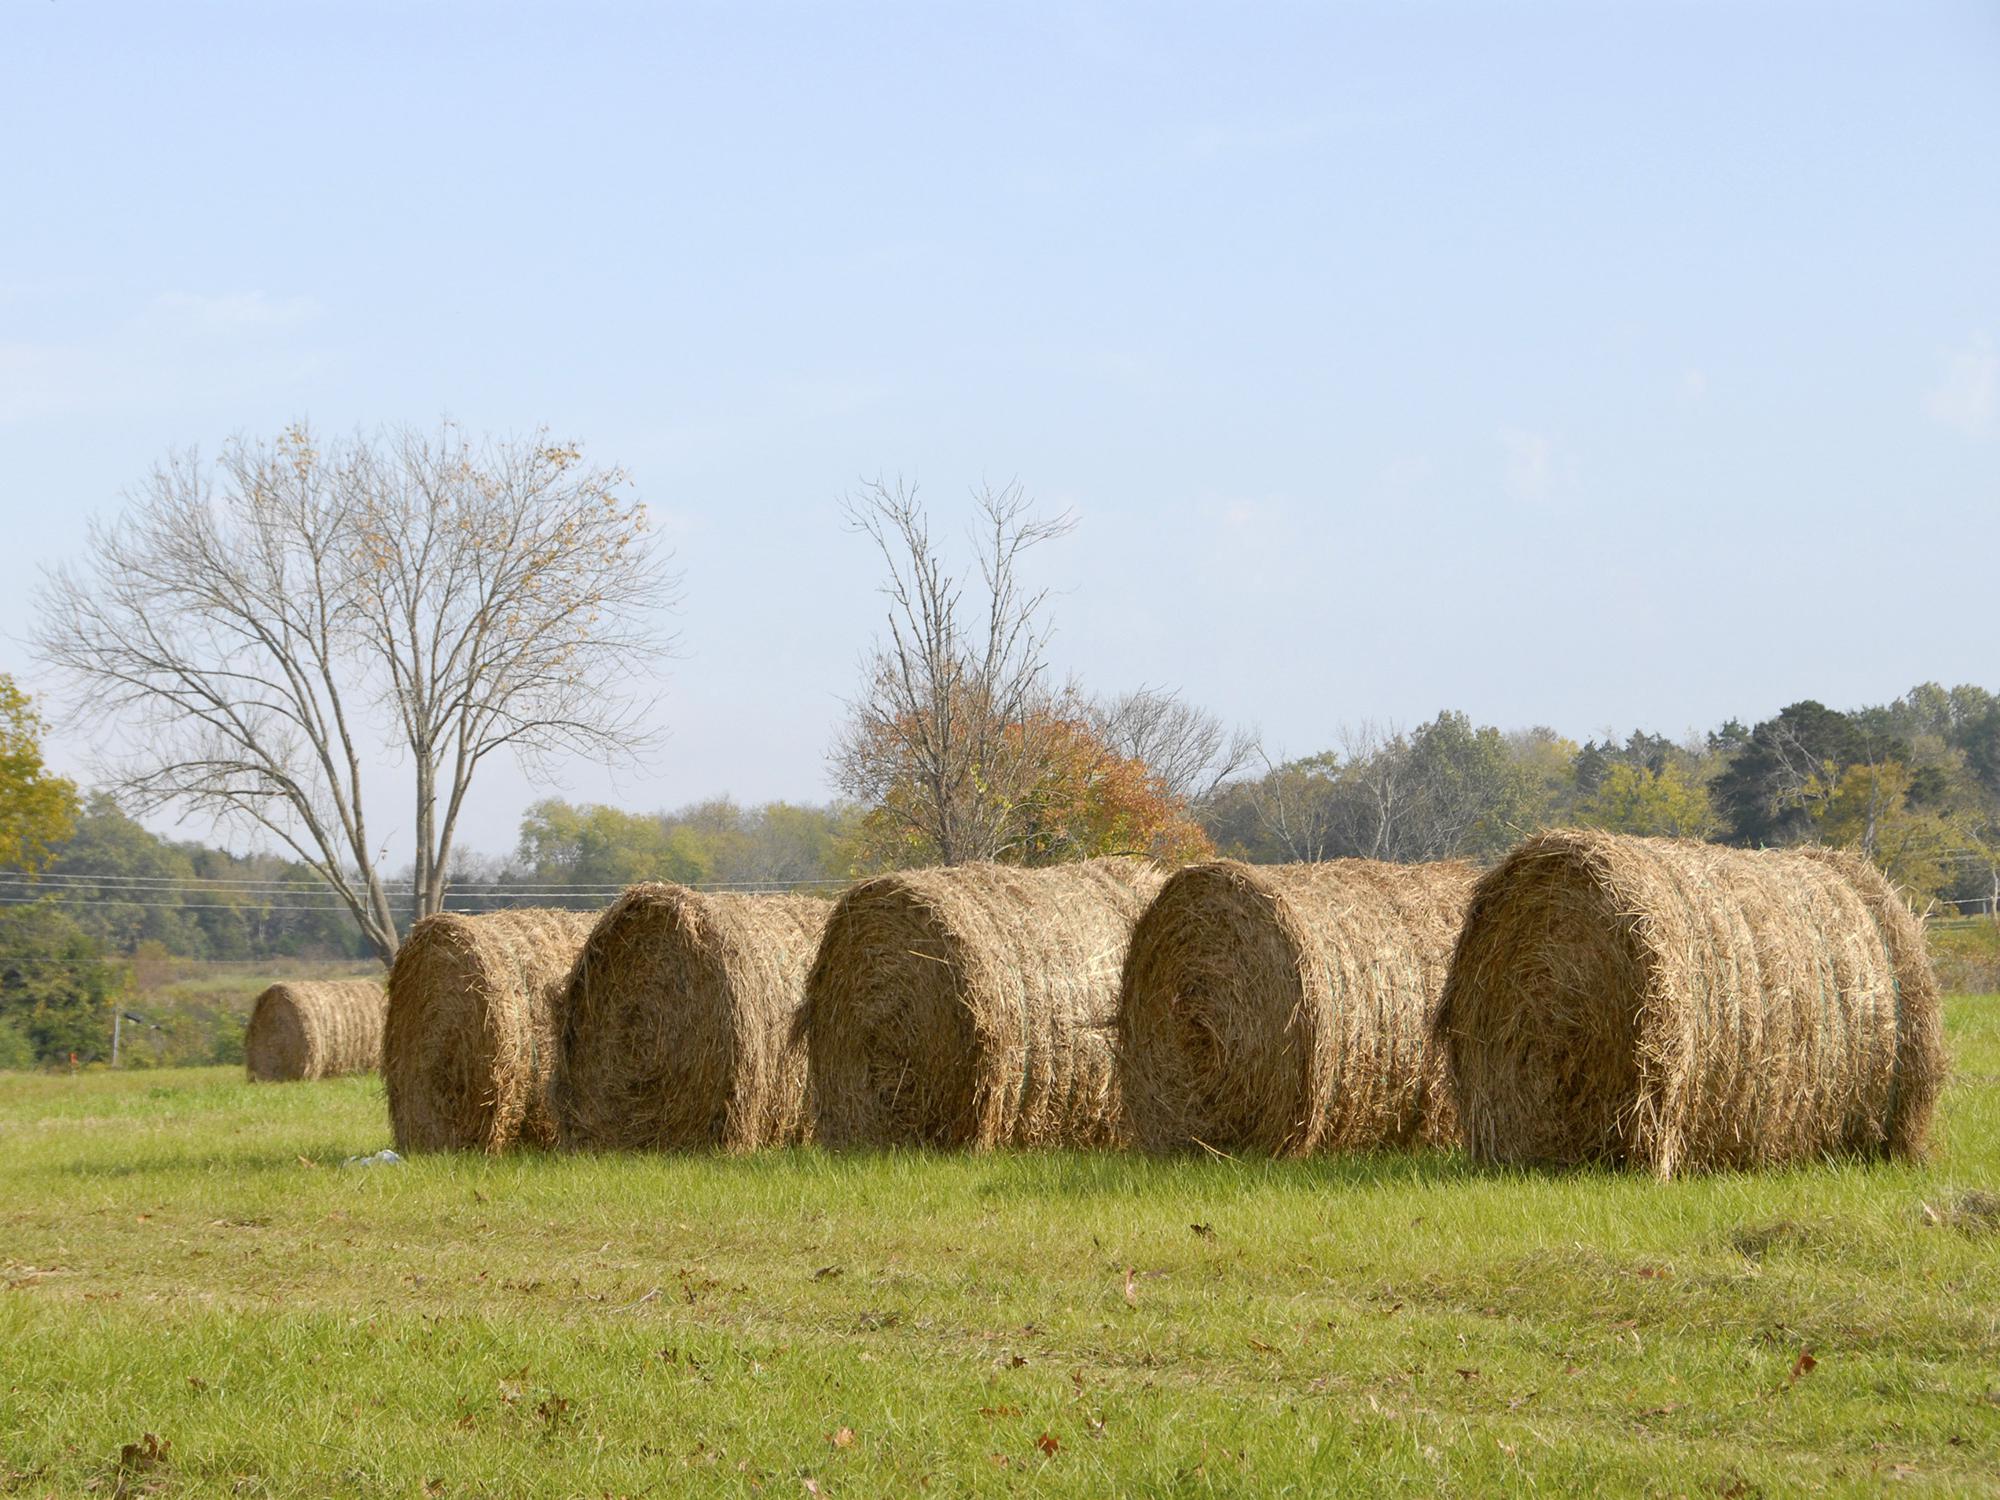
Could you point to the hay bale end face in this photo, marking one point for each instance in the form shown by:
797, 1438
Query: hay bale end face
1287, 1009
470, 1037
677, 1031
315, 1029
1679, 1006
972, 1006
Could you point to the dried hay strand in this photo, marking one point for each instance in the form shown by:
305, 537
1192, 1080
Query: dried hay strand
1679, 1007
315, 1029
972, 1006
677, 1031
1287, 1009
470, 1036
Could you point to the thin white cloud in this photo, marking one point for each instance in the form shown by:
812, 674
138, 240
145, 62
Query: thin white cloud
176, 350
237, 309
1967, 395
1528, 463
1694, 384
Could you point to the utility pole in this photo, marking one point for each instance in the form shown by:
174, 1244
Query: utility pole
118, 1019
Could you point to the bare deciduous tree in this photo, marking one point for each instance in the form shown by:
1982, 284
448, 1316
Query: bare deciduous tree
255, 638
944, 737
1188, 748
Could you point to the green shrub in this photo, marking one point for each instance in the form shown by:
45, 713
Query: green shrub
1967, 954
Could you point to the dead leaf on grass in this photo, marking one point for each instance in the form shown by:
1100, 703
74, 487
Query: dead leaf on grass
1804, 1365
149, 1453
1131, 1291
1048, 1444
842, 1438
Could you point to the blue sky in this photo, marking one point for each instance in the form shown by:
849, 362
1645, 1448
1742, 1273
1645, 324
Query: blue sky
1601, 365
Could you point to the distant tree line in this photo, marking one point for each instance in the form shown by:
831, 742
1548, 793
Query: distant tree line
1913, 784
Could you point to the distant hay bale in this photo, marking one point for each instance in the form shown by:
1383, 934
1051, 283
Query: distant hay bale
677, 1031
1287, 1009
315, 1029
972, 1006
1681, 1007
471, 1028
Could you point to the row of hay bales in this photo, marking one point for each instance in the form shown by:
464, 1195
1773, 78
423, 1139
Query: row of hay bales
1592, 998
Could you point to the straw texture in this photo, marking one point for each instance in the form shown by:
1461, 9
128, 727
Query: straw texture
470, 1037
678, 1027
972, 1006
1287, 1009
1679, 1006
315, 1029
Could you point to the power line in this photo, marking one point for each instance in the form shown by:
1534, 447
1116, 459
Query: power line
205, 885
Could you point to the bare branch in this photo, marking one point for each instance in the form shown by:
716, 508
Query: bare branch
252, 637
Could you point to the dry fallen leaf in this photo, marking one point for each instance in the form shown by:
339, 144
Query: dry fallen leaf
1131, 1291
1048, 1444
150, 1452
844, 1438
1805, 1364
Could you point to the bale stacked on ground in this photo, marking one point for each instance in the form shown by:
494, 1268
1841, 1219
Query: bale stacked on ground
677, 1031
315, 1029
1679, 1006
471, 1029
972, 1006
1287, 1009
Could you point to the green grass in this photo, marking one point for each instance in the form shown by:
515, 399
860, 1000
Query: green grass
183, 1255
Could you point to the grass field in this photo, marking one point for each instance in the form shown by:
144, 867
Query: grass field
184, 1257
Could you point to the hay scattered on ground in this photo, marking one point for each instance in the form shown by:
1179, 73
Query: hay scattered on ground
470, 1037
972, 1006
1287, 1009
1679, 1006
678, 1027
315, 1029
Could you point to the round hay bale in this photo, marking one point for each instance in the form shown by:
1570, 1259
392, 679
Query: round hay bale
1680, 1007
470, 1036
1287, 1009
678, 1027
315, 1029
972, 1006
